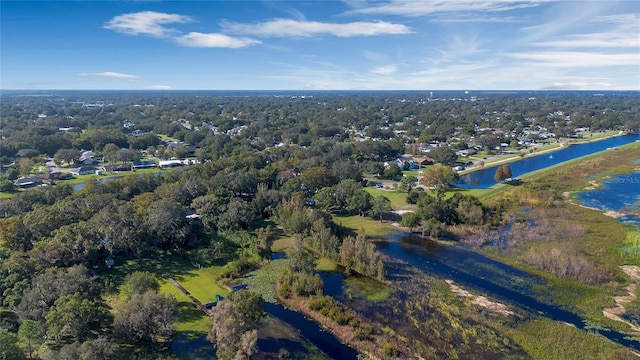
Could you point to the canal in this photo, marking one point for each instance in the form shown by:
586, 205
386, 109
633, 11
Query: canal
485, 178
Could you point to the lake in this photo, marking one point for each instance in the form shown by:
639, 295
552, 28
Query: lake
484, 178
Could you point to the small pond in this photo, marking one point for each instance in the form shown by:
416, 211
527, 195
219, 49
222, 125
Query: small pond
620, 194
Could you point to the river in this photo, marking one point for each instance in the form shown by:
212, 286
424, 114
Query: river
475, 271
485, 178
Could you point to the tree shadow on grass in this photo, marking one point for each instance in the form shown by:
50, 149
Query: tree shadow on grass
162, 262
189, 312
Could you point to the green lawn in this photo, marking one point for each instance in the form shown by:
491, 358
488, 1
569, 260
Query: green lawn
200, 283
191, 319
84, 178
398, 199
282, 244
373, 228
414, 173
4, 195
325, 264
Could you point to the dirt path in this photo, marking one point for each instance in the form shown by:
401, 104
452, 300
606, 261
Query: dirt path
615, 312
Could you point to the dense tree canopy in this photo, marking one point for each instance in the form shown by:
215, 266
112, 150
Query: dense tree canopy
290, 160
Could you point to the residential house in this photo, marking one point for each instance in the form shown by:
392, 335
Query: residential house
143, 165
466, 152
404, 163
53, 175
27, 182
85, 170
164, 164
423, 161
86, 158
117, 167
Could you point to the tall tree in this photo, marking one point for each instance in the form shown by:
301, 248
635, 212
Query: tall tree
65, 156
380, 205
360, 202
146, 318
9, 348
139, 282
31, 334
503, 172
73, 318
167, 224
410, 220
316, 178
507, 170
235, 321
443, 155
407, 182
439, 177
499, 175
26, 166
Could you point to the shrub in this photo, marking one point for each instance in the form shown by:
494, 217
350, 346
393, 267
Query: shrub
326, 306
363, 331
390, 351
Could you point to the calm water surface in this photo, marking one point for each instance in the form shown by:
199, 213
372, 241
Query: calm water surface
484, 178
620, 194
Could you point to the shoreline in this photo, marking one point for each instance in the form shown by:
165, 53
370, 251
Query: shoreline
562, 146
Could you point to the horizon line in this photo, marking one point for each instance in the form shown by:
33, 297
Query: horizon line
327, 90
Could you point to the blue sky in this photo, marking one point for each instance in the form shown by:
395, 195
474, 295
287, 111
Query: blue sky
321, 45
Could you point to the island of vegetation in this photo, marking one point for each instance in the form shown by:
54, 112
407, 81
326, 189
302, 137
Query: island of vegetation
197, 224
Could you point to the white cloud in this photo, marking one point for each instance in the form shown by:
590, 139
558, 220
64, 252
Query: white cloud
196, 39
578, 86
301, 28
413, 8
146, 23
385, 70
615, 31
579, 59
601, 40
151, 23
160, 87
110, 74
474, 18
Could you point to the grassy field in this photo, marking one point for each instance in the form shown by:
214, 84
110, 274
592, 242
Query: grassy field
84, 178
4, 195
372, 228
282, 244
200, 283
398, 199
325, 264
